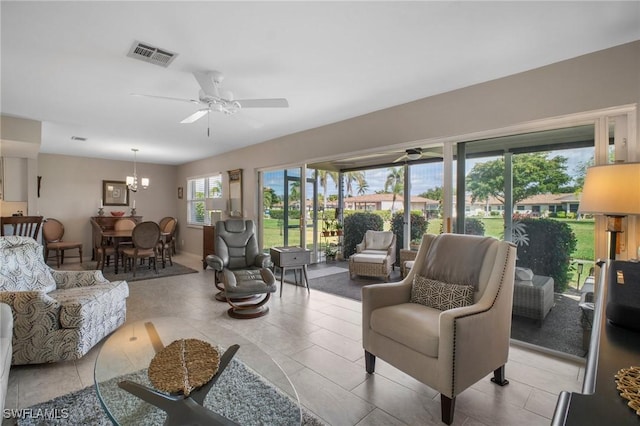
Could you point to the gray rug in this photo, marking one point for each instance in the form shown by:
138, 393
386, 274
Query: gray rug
342, 284
142, 272
267, 405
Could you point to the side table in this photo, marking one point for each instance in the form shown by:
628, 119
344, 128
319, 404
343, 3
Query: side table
406, 255
293, 258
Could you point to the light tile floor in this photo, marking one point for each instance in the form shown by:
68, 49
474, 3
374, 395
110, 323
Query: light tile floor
316, 339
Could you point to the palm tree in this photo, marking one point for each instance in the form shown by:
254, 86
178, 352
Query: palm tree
363, 188
324, 176
354, 177
395, 184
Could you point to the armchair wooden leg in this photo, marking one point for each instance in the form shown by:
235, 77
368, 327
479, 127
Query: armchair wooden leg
448, 407
498, 377
369, 362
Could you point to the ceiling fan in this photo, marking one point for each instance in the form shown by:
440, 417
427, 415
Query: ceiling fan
213, 99
413, 154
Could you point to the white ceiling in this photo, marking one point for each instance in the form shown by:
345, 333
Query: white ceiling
65, 63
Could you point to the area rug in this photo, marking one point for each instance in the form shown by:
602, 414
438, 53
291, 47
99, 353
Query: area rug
341, 284
260, 403
142, 272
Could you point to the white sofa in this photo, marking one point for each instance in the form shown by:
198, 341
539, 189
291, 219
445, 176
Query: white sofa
6, 330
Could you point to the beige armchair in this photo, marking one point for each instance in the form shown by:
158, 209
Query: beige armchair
415, 325
375, 255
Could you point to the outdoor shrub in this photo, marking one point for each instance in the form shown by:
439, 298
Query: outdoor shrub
551, 243
419, 226
472, 226
355, 226
276, 214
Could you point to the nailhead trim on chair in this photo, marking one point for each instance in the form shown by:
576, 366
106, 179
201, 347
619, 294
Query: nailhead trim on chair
455, 323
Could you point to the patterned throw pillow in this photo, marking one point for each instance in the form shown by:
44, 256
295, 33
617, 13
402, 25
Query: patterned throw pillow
440, 295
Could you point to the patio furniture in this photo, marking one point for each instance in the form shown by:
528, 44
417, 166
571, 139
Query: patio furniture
448, 348
375, 255
533, 298
407, 258
59, 315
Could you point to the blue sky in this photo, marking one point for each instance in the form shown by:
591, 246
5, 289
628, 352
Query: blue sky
427, 176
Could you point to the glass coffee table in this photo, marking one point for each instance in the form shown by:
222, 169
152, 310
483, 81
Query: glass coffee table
252, 389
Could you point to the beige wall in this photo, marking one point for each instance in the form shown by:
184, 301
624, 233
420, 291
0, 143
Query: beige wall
71, 190
600, 80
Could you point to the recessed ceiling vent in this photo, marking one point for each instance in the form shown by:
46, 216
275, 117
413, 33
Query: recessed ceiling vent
146, 52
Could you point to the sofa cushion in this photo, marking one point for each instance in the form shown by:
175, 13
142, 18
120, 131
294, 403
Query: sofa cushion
378, 240
80, 303
413, 325
22, 266
440, 295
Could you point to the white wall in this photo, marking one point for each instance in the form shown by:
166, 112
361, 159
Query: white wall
71, 190
600, 80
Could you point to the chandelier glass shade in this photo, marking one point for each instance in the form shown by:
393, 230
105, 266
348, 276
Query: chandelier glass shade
132, 181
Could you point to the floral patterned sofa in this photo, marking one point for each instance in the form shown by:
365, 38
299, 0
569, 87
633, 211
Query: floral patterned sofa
58, 315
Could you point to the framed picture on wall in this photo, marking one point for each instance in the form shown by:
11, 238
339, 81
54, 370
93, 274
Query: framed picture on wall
115, 193
180, 193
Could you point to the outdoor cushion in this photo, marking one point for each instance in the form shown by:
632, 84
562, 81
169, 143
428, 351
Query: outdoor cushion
440, 295
523, 274
410, 324
369, 258
378, 240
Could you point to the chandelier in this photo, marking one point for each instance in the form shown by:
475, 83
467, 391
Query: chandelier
132, 181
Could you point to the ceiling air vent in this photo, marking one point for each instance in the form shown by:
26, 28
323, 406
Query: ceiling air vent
146, 52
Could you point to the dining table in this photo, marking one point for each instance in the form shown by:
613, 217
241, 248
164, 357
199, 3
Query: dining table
117, 236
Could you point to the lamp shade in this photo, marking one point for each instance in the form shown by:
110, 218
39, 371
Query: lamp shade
612, 189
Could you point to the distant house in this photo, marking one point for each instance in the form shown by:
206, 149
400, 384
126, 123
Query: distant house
371, 202
537, 205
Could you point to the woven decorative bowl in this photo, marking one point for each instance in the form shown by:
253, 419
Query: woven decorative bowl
118, 214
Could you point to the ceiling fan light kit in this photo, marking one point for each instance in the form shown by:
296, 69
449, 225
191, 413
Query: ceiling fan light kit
210, 96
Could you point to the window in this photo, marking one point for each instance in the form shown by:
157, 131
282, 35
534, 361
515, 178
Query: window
197, 190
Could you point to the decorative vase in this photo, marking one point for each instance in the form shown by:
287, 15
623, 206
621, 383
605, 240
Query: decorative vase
100, 211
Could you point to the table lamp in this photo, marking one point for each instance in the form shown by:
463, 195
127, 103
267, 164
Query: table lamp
612, 190
216, 206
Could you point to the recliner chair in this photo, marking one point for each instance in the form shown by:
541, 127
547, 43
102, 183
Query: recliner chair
242, 271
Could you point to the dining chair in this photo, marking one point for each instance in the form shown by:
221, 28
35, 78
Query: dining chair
167, 229
145, 237
52, 234
23, 226
103, 248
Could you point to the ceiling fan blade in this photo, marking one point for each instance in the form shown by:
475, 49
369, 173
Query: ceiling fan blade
401, 158
192, 101
205, 80
195, 116
263, 103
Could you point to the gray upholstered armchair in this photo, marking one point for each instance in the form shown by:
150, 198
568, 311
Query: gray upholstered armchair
58, 315
448, 323
242, 271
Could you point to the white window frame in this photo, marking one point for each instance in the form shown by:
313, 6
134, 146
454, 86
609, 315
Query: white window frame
198, 189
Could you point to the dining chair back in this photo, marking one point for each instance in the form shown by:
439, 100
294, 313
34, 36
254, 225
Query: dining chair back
52, 233
23, 226
145, 237
167, 243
